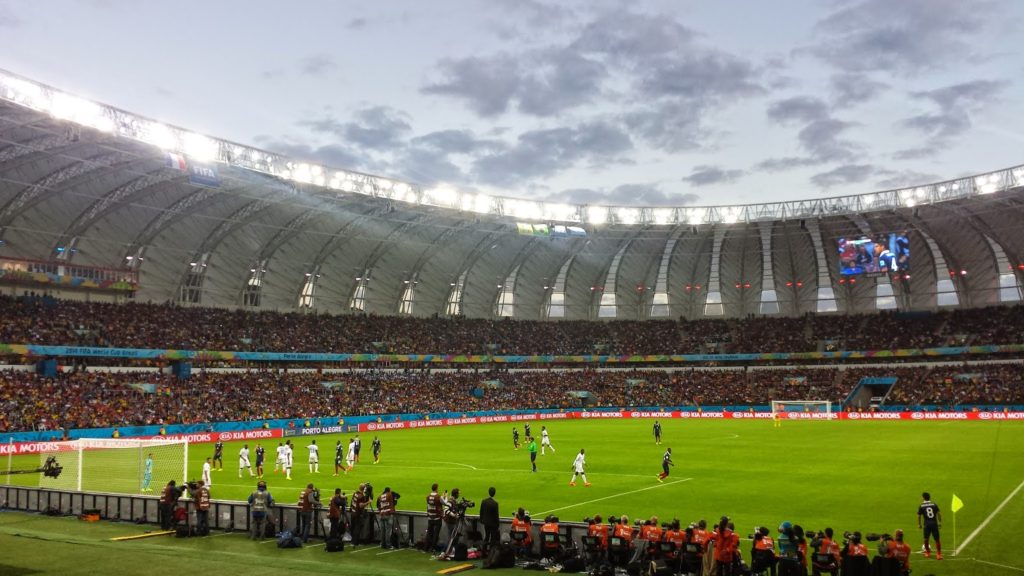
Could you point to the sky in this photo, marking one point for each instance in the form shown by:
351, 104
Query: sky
653, 102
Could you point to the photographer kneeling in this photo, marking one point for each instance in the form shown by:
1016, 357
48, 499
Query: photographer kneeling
762, 555
825, 559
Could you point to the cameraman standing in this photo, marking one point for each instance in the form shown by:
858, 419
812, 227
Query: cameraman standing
168, 500
260, 501
201, 496
308, 500
386, 511
452, 512
336, 513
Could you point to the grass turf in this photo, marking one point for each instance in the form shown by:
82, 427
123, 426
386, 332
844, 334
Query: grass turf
865, 476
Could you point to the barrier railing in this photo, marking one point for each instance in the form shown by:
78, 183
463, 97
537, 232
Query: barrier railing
224, 514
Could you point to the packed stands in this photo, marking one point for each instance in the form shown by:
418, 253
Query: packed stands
103, 399
38, 320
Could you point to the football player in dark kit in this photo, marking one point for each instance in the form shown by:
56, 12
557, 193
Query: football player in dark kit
338, 457
666, 461
376, 449
928, 514
657, 432
515, 438
218, 455
261, 455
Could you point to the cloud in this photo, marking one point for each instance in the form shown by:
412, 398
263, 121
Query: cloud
317, 65
955, 103
333, 155
653, 54
820, 136
539, 153
376, 128
357, 24
706, 175
700, 76
821, 139
909, 36
845, 174
853, 89
672, 125
487, 85
633, 38
904, 178
786, 163
625, 195
798, 109
8, 19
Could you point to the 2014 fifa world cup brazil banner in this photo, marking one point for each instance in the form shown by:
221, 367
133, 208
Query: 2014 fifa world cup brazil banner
34, 350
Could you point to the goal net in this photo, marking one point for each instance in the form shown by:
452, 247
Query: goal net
116, 465
815, 409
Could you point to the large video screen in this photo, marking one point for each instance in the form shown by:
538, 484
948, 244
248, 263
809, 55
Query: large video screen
885, 254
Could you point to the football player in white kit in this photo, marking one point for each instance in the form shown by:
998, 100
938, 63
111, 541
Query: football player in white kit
288, 460
243, 461
206, 471
314, 458
350, 457
577, 469
545, 442
279, 463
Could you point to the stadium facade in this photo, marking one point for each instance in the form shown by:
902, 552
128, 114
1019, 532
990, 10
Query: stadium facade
89, 193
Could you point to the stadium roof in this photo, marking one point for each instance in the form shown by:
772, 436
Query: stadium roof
213, 222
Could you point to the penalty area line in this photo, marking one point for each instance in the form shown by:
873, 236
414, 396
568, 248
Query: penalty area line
546, 512
988, 519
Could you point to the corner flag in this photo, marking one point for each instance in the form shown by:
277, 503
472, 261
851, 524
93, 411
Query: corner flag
957, 504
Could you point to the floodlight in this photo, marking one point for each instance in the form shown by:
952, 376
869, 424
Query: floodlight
200, 147
522, 208
441, 196
697, 216
597, 214
562, 212
628, 215
869, 199
663, 216
160, 135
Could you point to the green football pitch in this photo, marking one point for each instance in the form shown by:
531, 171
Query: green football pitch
865, 476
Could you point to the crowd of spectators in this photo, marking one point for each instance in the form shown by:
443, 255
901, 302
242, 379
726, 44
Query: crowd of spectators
978, 384
42, 320
92, 399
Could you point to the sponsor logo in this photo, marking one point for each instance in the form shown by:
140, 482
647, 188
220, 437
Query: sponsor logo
853, 416
225, 436
917, 415
985, 415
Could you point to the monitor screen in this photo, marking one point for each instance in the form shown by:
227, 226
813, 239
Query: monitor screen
881, 254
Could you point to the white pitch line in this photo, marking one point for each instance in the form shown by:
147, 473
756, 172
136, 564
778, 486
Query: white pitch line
998, 565
455, 464
546, 512
987, 520
389, 552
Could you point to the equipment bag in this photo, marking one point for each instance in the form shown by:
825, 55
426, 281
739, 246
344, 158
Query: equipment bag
334, 545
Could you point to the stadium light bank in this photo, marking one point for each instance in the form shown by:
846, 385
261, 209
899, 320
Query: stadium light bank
201, 148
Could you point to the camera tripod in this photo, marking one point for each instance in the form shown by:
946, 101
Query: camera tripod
460, 527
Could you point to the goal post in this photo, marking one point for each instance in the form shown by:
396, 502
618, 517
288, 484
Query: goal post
117, 465
823, 407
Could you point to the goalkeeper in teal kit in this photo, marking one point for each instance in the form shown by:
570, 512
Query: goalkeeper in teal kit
147, 475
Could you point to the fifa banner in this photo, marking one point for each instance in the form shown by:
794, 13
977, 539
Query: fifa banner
693, 415
35, 350
196, 438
